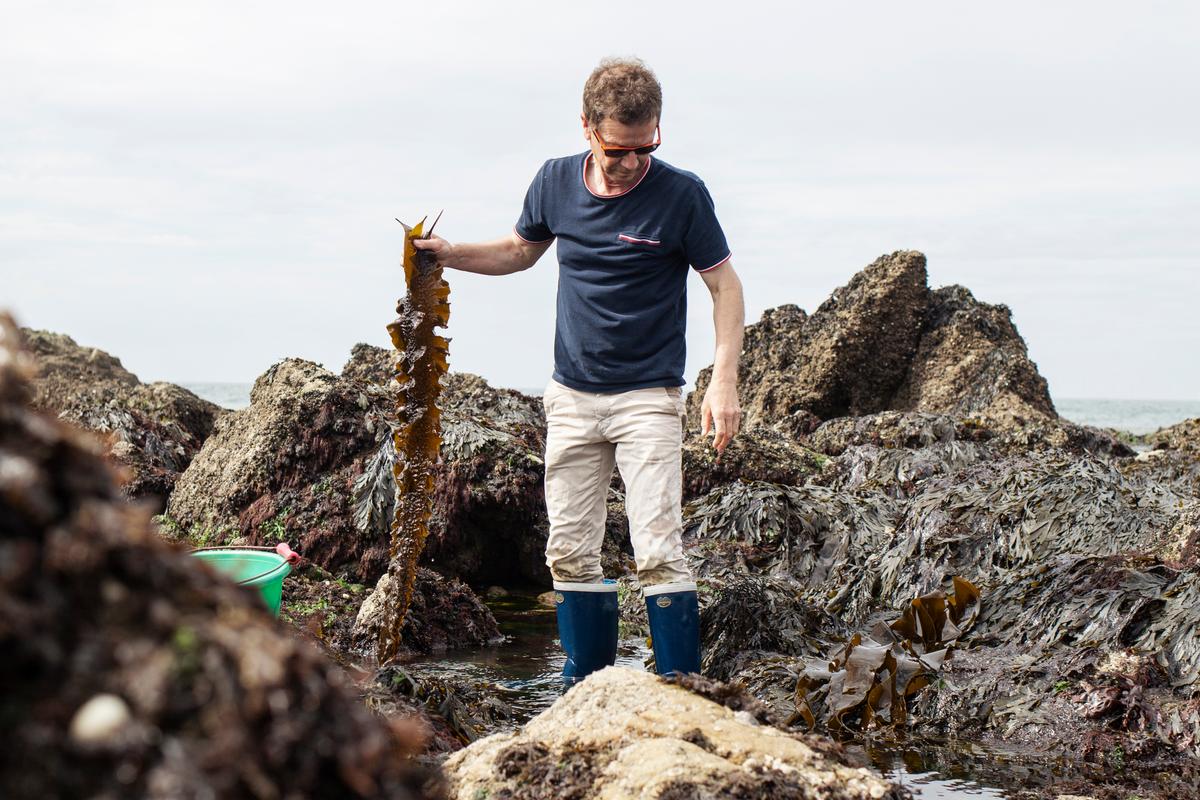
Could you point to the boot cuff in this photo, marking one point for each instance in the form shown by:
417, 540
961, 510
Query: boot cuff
669, 588
607, 586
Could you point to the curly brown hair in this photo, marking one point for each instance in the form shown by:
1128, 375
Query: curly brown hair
623, 89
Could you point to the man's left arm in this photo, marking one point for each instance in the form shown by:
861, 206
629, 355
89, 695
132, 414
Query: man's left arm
720, 410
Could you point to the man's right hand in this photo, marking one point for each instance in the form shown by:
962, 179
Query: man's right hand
441, 248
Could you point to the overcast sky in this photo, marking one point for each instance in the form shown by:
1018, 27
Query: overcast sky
202, 189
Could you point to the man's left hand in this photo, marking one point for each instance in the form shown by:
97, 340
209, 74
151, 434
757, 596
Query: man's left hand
721, 413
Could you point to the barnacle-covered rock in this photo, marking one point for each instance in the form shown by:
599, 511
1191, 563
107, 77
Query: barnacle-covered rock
154, 430
886, 341
848, 358
1173, 458
971, 362
284, 468
310, 460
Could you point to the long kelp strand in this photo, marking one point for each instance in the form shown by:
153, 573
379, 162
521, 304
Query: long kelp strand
420, 365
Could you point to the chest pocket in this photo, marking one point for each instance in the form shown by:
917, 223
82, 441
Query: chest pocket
640, 241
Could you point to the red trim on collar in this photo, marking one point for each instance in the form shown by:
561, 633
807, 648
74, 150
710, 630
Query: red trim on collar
642, 177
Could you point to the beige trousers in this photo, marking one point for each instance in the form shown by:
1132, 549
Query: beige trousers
641, 432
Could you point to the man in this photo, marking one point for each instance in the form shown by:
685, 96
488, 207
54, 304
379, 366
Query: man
628, 228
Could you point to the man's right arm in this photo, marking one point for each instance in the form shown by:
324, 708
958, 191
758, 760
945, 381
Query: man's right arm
500, 257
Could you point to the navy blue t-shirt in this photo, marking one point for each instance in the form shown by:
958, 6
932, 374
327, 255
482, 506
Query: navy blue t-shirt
622, 271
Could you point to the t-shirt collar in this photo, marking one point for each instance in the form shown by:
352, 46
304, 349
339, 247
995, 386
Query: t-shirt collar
583, 176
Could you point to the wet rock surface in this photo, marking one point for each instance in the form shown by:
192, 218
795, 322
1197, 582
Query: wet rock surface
129, 670
153, 430
623, 733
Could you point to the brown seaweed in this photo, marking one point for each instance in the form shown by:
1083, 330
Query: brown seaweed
870, 681
417, 434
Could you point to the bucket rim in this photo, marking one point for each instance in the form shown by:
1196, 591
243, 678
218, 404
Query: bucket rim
267, 551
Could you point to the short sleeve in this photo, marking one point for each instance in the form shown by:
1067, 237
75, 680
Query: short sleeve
532, 226
704, 242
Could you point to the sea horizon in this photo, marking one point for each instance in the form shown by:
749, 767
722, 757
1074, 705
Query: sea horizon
1136, 416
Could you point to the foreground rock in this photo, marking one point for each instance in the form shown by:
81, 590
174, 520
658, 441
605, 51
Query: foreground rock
311, 460
128, 670
885, 341
152, 429
624, 733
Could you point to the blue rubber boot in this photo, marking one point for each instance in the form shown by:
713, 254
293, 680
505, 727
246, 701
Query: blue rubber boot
674, 627
587, 627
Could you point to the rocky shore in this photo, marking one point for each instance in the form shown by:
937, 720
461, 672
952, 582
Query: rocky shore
897, 438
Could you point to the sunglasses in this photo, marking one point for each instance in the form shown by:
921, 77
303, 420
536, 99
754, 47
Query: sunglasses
618, 152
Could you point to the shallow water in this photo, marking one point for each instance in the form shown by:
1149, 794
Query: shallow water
527, 668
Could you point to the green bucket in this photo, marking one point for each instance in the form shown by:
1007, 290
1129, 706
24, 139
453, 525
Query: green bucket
264, 568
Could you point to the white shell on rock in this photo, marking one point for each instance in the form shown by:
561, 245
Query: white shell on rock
100, 719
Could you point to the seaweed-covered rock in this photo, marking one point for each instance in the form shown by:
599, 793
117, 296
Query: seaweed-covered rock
1081, 646
311, 460
755, 454
625, 733
1173, 458
456, 711
1081, 567
848, 358
1000, 515
131, 670
888, 429
972, 362
1013, 435
444, 614
489, 521
154, 430
824, 539
747, 618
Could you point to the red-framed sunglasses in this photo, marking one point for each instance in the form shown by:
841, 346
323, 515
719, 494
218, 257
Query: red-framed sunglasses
618, 152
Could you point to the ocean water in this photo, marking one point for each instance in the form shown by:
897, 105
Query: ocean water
226, 395
1134, 416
